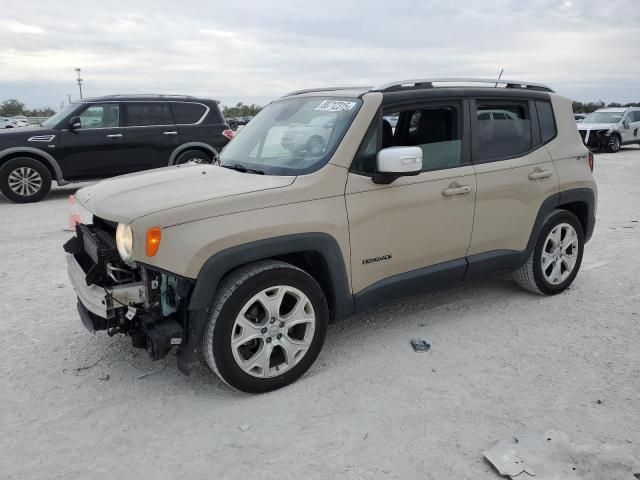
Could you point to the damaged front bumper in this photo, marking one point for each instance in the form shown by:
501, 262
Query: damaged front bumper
146, 304
595, 139
96, 299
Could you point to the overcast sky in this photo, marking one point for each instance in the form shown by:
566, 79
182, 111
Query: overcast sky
254, 51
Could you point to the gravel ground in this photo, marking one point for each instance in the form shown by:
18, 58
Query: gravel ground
77, 406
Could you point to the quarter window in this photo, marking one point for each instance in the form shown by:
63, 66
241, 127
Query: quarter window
187, 113
100, 115
145, 114
506, 134
546, 120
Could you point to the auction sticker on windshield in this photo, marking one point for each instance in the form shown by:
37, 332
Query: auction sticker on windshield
335, 106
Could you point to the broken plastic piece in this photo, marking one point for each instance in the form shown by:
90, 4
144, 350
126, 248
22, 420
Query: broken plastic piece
551, 456
420, 345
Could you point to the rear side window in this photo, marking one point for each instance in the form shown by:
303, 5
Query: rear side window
636, 115
546, 120
506, 132
145, 114
187, 113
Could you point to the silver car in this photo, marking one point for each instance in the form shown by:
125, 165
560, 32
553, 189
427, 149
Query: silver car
610, 128
310, 137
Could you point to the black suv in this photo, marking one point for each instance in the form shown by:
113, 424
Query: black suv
108, 136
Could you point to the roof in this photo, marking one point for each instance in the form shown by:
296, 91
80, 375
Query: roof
427, 84
614, 109
147, 98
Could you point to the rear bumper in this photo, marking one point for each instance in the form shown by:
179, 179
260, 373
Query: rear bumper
96, 299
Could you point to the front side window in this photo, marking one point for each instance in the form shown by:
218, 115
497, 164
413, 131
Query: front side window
293, 136
505, 133
100, 115
146, 114
437, 130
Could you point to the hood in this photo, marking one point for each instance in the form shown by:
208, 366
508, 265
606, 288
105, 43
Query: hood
596, 126
19, 136
126, 198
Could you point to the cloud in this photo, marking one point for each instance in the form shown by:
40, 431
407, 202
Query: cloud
261, 50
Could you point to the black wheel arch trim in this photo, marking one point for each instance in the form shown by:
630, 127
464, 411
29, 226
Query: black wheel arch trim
186, 146
44, 156
506, 260
217, 266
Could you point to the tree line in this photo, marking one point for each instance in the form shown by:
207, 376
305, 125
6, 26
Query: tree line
13, 107
579, 107
241, 110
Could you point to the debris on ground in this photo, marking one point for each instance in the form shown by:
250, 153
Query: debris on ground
420, 345
551, 456
244, 427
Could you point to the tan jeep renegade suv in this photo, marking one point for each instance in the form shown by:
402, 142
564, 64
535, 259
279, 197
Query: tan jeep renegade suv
320, 208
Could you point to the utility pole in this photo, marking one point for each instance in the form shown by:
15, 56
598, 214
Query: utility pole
79, 80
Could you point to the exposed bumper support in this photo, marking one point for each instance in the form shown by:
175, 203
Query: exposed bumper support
95, 299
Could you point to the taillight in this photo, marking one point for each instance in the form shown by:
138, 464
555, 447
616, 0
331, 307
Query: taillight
229, 134
591, 161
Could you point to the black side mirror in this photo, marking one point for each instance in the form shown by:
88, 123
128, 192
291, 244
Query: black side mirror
74, 123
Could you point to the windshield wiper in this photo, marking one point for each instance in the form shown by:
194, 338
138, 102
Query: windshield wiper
241, 168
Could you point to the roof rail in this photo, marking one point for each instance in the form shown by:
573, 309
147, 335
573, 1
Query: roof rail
428, 83
312, 90
143, 95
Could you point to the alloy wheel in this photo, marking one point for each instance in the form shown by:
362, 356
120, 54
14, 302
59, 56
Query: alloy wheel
25, 181
273, 331
559, 254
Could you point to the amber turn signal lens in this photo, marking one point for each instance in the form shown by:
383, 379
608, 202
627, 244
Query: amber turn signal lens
153, 240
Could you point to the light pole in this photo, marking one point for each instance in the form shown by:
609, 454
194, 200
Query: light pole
79, 80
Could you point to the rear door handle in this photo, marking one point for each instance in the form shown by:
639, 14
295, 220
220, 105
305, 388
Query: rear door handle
455, 189
115, 135
538, 174
170, 133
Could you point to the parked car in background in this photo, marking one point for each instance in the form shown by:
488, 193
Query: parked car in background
610, 128
108, 136
8, 123
393, 121
243, 265
579, 117
310, 137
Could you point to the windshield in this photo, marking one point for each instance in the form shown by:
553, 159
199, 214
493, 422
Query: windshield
292, 136
51, 122
603, 117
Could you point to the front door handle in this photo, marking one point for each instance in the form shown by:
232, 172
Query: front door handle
538, 174
455, 189
115, 135
170, 133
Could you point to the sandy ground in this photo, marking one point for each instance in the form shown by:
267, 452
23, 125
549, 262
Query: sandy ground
73, 405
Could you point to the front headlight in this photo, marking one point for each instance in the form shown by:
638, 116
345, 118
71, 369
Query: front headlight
124, 241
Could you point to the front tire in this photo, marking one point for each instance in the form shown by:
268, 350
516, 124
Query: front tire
267, 326
556, 257
614, 144
315, 145
24, 180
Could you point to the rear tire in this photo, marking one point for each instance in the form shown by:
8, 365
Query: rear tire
267, 325
556, 257
195, 156
24, 180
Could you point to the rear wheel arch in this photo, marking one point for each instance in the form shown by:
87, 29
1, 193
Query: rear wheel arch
203, 147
